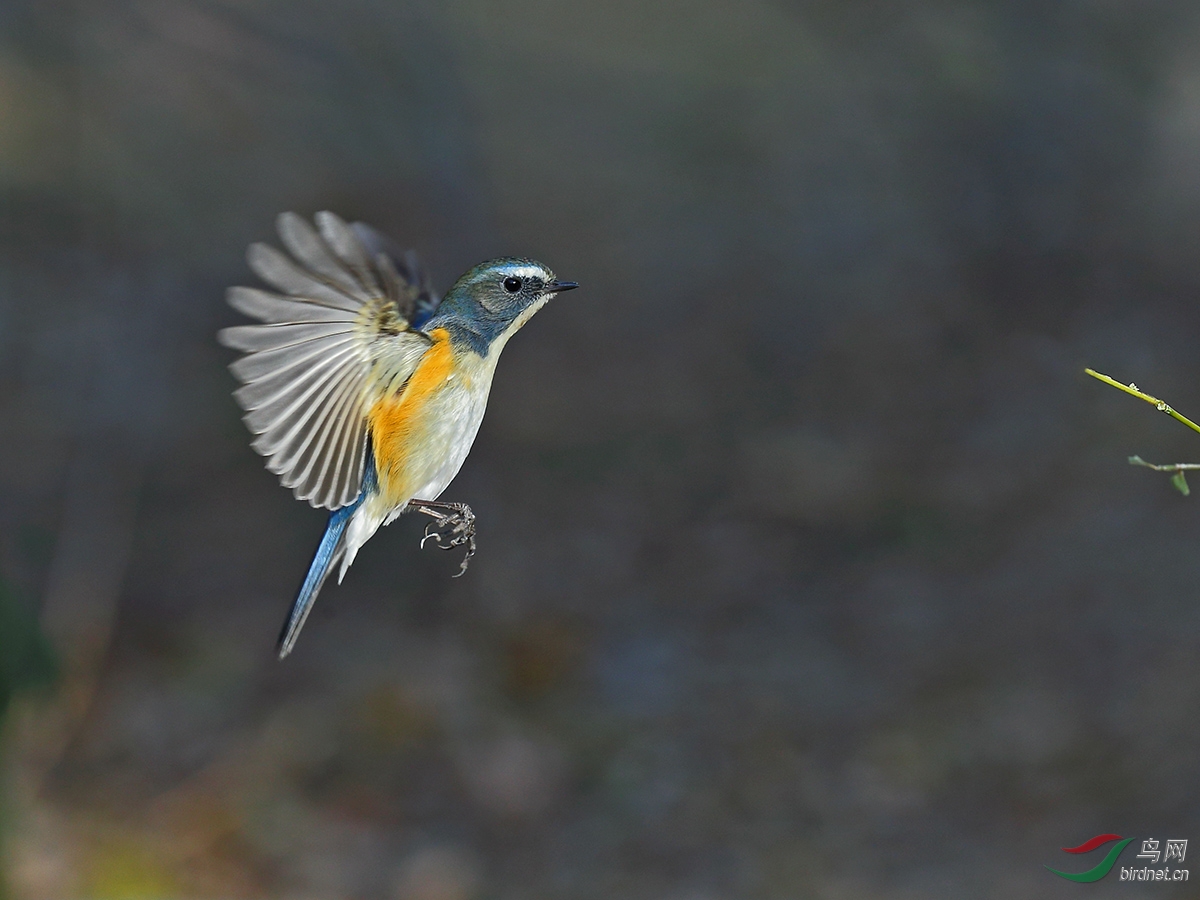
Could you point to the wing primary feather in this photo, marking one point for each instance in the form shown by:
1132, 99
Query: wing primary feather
335, 462
293, 429
417, 285
277, 269
276, 422
377, 243
310, 249
309, 453
327, 437
348, 247
271, 363
344, 465
355, 460
394, 286
257, 338
274, 309
280, 400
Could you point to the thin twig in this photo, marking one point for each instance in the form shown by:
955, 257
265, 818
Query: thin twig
1171, 467
1178, 478
1141, 395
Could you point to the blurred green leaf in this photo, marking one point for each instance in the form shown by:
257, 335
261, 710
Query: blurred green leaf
1179, 479
26, 658
26, 661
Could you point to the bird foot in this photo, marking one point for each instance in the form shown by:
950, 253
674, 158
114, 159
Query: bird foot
453, 525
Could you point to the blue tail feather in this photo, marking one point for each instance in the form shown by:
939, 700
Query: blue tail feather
329, 551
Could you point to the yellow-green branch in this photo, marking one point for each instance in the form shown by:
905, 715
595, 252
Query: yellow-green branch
1178, 479
1141, 395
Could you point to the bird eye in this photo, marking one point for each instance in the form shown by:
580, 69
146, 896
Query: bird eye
512, 284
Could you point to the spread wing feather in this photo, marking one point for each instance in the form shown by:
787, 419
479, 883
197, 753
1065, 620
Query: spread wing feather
335, 431
311, 457
305, 244
256, 338
340, 321
349, 249
405, 280
295, 401
274, 309
273, 267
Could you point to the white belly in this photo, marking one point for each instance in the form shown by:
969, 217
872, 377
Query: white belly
449, 423
452, 421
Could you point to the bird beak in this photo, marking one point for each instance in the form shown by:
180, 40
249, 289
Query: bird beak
557, 287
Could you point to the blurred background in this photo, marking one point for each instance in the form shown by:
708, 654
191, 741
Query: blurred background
810, 563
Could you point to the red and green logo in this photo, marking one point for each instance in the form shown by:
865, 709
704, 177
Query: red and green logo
1104, 866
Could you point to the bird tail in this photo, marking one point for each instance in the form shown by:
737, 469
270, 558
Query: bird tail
329, 551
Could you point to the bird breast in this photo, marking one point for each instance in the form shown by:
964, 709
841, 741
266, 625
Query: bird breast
421, 435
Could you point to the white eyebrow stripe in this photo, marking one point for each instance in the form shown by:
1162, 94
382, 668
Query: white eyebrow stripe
525, 272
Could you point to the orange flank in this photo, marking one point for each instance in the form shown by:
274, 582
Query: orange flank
395, 419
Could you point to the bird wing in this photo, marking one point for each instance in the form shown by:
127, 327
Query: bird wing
335, 333
414, 294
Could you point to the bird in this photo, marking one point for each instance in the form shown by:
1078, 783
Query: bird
363, 388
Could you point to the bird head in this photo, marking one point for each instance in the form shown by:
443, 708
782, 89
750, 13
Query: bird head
492, 301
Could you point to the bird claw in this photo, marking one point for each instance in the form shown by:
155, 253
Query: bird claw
452, 528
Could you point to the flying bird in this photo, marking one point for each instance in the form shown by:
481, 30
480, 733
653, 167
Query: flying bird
364, 390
